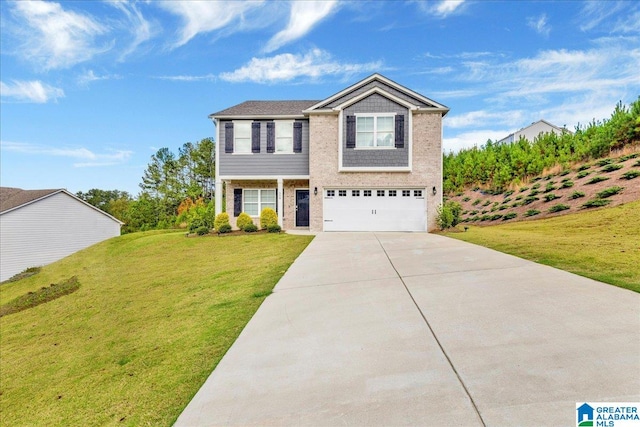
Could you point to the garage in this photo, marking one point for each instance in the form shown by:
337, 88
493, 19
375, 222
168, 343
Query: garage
376, 209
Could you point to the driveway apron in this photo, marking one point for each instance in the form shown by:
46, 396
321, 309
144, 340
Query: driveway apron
420, 329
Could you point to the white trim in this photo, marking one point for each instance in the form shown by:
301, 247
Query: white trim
375, 169
340, 138
380, 92
235, 133
385, 80
375, 117
258, 117
295, 203
275, 137
262, 177
280, 202
259, 190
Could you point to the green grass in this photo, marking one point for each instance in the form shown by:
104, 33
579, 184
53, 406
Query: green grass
601, 244
153, 316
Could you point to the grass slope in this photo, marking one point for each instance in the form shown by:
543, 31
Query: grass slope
603, 244
154, 315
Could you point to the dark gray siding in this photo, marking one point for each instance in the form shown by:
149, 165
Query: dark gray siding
397, 157
264, 163
371, 85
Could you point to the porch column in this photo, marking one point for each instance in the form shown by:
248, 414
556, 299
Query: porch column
218, 197
280, 202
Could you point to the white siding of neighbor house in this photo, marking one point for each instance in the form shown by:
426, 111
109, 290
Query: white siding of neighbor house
49, 229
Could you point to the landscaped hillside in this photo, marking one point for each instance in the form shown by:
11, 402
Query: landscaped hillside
153, 315
604, 182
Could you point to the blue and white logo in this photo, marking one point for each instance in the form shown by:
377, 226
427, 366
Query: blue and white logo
608, 414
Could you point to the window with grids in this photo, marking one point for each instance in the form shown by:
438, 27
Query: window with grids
366, 193
380, 193
242, 137
392, 193
256, 200
284, 136
417, 193
331, 193
374, 131
355, 193
342, 193
406, 193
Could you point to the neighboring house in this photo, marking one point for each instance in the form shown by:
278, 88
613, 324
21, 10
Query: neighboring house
533, 131
368, 158
38, 227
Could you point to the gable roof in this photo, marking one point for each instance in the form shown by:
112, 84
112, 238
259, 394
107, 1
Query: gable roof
419, 102
251, 109
13, 198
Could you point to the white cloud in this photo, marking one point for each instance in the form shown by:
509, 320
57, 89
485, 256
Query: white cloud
540, 25
443, 8
188, 78
53, 37
472, 139
595, 12
88, 158
89, 77
30, 91
303, 17
141, 29
483, 118
285, 67
206, 16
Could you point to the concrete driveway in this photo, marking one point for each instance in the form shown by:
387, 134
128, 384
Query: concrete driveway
417, 329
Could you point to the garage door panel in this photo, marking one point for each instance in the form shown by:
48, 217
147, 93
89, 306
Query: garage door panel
374, 213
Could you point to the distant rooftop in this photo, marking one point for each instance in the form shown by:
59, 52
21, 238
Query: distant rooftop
13, 197
264, 108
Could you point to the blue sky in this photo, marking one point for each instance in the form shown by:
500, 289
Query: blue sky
90, 90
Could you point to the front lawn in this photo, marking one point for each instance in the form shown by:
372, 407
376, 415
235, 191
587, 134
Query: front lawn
602, 244
154, 314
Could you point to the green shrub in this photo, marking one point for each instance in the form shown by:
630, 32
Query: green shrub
608, 192
565, 172
535, 186
476, 201
604, 162
548, 177
28, 272
201, 231
531, 212
267, 217
549, 187
509, 216
250, 228
567, 184
224, 228
536, 179
549, 197
611, 168
486, 203
523, 189
459, 193
630, 174
507, 200
582, 174
595, 203
503, 207
243, 221
519, 198
274, 228
636, 164
576, 195
516, 204
466, 199
484, 211
558, 208
529, 200
597, 179
221, 219
533, 193
627, 157
508, 193
584, 168
495, 217
448, 215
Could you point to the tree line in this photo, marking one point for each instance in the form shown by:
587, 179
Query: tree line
495, 166
174, 189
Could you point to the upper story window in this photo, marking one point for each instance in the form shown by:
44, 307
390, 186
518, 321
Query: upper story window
375, 131
284, 136
242, 137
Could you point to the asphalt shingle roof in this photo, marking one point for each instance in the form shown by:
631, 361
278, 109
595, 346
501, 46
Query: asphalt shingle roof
267, 108
13, 197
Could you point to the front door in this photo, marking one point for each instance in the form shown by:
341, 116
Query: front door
302, 208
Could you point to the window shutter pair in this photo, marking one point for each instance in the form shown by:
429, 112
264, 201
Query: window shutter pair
237, 202
351, 131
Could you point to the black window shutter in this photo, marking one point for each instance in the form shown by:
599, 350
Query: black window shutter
399, 131
255, 137
271, 137
351, 131
297, 137
237, 201
228, 137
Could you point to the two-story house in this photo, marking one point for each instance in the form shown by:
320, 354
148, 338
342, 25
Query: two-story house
368, 158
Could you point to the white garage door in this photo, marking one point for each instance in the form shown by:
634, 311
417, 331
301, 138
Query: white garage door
374, 209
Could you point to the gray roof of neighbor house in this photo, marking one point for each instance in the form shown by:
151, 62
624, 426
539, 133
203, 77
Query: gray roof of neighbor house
11, 198
266, 108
